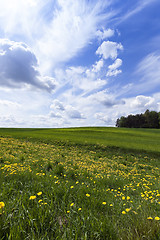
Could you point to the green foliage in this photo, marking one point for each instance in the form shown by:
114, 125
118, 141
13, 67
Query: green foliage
150, 119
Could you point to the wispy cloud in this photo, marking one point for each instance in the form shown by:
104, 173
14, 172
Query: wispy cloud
137, 8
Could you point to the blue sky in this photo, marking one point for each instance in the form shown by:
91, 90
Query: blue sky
70, 63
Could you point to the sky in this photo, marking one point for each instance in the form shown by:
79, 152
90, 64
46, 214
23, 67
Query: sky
74, 63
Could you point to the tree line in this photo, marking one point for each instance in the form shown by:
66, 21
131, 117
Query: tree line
149, 119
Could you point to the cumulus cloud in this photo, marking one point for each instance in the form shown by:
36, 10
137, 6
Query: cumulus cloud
74, 114
104, 118
98, 66
109, 49
143, 102
113, 71
19, 67
104, 33
54, 115
57, 105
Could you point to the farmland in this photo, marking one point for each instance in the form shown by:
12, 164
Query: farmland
80, 183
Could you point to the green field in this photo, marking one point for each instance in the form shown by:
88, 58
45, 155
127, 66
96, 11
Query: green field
80, 183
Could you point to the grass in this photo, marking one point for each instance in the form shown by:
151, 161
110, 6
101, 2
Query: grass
85, 183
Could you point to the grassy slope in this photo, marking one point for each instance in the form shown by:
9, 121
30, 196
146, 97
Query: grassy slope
133, 139
88, 192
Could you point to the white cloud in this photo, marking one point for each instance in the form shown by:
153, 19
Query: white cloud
98, 66
74, 113
8, 104
113, 71
104, 33
139, 7
19, 67
72, 26
109, 49
57, 105
142, 102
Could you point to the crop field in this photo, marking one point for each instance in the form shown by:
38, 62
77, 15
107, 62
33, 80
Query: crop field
84, 183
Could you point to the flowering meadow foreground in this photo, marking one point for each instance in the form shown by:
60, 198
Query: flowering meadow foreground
69, 191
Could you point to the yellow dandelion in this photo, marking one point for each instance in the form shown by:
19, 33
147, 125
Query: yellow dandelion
104, 203
128, 198
123, 212
39, 193
71, 204
68, 211
111, 205
2, 205
72, 187
79, 209
157, 218
123, 198
32, 197
149, 218
128, 209
40, 200
88, 195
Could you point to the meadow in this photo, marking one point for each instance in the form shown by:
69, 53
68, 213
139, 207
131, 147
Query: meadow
80, 183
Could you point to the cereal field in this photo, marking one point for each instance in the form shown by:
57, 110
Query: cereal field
67, 190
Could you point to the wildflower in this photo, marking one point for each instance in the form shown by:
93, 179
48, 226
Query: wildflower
79, 209
2, 205
157, 218
111, 205
71, 204
68, 211
123, 212
128, 209
88, 195
128, 198
72, 186
149, 218
104, 203
40, 200
32, 197
39, 193
123, 198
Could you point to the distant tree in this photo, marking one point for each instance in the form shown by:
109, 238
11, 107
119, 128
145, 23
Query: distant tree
149, 119
152, 119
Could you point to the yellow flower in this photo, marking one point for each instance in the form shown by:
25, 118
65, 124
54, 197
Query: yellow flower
72, 186
40, 200
123, 212
157, 218
128, 209
104, 203
128, 198
68, 211
71, 204
39, 193
79, 209
123, 198
149, 218
32, 197
88, 195
111, 205
2, 205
